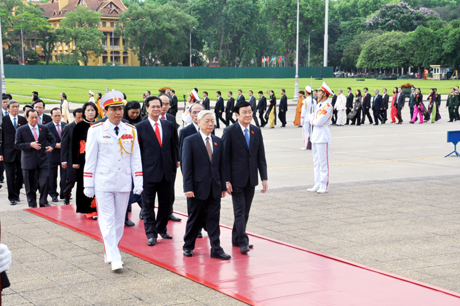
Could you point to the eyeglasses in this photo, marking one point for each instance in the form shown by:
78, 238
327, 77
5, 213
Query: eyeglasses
246, 113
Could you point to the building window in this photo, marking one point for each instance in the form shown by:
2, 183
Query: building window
112, 24
104, 24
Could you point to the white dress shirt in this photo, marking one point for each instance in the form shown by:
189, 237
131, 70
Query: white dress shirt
152, 122
197, 127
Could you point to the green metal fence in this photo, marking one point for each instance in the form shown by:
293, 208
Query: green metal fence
117, 72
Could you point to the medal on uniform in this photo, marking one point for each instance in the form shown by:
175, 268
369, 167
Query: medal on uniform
124, 137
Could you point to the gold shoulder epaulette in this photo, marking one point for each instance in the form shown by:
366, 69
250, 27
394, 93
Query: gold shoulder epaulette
130, 125
97, 124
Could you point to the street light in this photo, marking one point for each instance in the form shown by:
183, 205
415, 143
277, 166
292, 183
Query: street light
309, 47
296, 89
191, 45
326, 31
2, 74
22, 43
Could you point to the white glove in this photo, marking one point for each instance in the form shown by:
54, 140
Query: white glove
89, 192
5, 258
138, 190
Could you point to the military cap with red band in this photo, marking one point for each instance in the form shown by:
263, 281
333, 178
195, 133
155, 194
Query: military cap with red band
112, 98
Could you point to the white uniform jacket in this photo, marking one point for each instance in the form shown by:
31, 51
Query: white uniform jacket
109, 167
308, 110
323, 115
341, 103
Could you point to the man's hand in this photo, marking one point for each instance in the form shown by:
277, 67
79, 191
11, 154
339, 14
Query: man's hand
138, 190
220, 111
76, 166
190, 194
282, 110
58, 145
223, 194
1, 157
264, 186
64, 165
229, 188
49, 149
89, 192
178, 164
35, 145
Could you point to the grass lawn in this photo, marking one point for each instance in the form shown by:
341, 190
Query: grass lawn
77, 90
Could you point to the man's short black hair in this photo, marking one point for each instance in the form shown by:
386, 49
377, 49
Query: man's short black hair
347, 88
240, 105
366, 88
261, 92
77, 111
26, 106
149, 92
283, 90
56, 108
38, 101
251, 91
173, 91
230, 92
30, 111
7, 96
218, 92
435, 89
302, 92
205, 92
151, 98
35, 93
240, 90
196, 89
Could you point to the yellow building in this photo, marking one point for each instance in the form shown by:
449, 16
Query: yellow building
116, 48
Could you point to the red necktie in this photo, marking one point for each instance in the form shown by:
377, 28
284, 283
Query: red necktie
157, 132
35, 134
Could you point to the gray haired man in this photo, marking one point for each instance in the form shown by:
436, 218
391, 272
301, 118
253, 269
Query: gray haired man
377, 107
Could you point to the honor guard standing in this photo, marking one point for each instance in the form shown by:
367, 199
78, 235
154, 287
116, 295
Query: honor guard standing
308, 110
320, 139
113, 162
452, 104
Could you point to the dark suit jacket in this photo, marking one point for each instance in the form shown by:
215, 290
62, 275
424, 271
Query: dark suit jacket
206, 103
377, 103
9, 137
240, 99
334, 99
172, 119
350, 99
46, 119
219, 105
243, 163
252, 101
54, 156
31, 158
66, 143
173, 109
157, 162
230, 105
184, 133
386, 99
283, 103
262, 106
199, 173
401, 100
367, 100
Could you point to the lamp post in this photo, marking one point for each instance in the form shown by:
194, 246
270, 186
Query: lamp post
191, 45
22, 43
113, 49
2, 74
296, 89
326, 31
309, 47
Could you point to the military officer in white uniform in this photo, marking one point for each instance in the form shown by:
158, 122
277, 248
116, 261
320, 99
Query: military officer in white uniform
113, 162
308, 111
320, 140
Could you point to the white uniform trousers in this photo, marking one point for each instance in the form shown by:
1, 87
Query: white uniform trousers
341, 117
306, 128
321, 163
111, 209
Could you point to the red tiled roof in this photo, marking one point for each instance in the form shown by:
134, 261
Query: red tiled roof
107, 8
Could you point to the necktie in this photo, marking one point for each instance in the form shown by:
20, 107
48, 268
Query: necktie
35, 134
246, 135
157, 133
116, 130
58, 126
15, 124
209, 149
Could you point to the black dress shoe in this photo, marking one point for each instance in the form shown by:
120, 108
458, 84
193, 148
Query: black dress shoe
129, 223
152, 241
13, 202
244, 249
61, 196
55, 199
237, 246
18, 200
141, 216
200, 235
222, 256
188, 253
45, 205
375, 124
66, 202
166, 236
174, 218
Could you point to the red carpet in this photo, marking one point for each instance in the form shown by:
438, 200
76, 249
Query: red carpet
273, 273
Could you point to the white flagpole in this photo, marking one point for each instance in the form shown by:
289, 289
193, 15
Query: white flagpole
2, 73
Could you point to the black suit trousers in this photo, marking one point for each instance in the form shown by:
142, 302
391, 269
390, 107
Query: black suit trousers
262, 119
14, 178
53, 180
399, 114
229, 118
31, 177
282, 117
334, 116
219, 117
357, 118
384, 114
173, 192
154, 226
366, 112
377, 116
2, 169
254, 117
71, 178
203, 212
348, 111
242, 200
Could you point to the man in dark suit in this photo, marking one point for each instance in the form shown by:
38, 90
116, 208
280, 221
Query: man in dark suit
366, 106
229, 109
385, 100
401, 100
377, 107
191, 128
349, 105
252, 101
174, 103
203, 168
334, 112
244, 158
39, 106
283, 108
166, 102
32, 140
219, 109
240, 98
206, 102
56, 127
158, 153
9, 154
262, 108
5, 98
66, 154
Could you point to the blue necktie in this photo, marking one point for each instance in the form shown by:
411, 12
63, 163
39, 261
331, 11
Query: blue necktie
246, 135
14, 123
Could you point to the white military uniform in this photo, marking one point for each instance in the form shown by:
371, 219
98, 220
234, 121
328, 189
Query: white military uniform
320, 139
112, 164
308, 111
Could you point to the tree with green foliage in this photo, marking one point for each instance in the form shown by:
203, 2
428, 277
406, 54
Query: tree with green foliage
80, 28
353, 50
48, 41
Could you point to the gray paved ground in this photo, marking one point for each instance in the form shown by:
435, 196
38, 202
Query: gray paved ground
392, 205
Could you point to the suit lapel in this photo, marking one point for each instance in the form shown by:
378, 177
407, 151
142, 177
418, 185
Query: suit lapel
165, 133
240, 135
203, 147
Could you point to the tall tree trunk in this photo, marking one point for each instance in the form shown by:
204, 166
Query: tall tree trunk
220, 46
